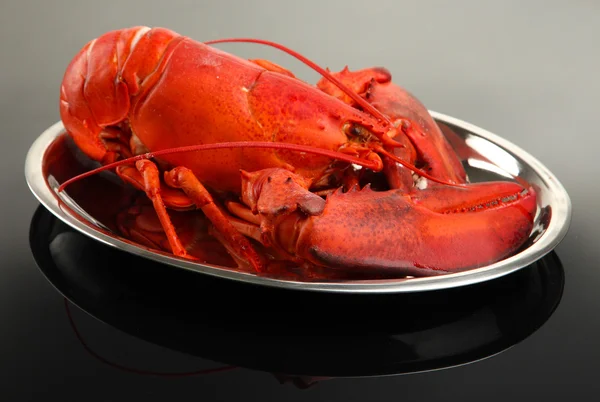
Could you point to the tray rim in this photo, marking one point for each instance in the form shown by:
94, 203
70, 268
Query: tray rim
554, 234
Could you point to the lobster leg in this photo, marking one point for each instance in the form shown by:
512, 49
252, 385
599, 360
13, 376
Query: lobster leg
140, 223
240, 246
242, 212
173, 198
149, 172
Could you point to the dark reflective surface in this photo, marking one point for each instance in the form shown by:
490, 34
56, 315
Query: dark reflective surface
294, 333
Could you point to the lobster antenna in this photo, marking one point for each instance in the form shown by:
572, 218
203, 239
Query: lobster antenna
366, 105
373, 164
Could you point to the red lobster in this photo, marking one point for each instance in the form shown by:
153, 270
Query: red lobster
257, 149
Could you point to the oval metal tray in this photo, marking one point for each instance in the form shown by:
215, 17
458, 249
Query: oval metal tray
486, 156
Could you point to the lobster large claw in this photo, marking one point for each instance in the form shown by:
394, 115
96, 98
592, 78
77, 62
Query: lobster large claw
423, 143
427, 232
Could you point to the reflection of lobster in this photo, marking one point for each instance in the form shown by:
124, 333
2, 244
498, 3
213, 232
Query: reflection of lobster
295, 167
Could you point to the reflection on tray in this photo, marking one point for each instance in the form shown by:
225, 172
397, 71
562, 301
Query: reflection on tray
299, 336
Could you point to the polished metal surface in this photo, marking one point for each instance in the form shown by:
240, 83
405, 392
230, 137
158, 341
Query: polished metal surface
503, 158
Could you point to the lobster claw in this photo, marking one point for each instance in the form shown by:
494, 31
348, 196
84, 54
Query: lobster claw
474, 197
432, 232
420, 136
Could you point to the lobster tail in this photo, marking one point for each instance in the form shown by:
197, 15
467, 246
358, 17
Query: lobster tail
98, 83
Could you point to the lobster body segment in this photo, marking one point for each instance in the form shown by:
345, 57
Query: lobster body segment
260, 106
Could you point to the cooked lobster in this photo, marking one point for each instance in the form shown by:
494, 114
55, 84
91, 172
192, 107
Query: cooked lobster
352, 174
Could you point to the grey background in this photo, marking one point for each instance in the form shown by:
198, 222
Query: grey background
526, 70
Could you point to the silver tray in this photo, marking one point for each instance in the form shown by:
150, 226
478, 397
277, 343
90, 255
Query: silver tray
500, 158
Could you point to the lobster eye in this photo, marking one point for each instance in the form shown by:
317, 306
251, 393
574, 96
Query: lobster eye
357, 131
353, 130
